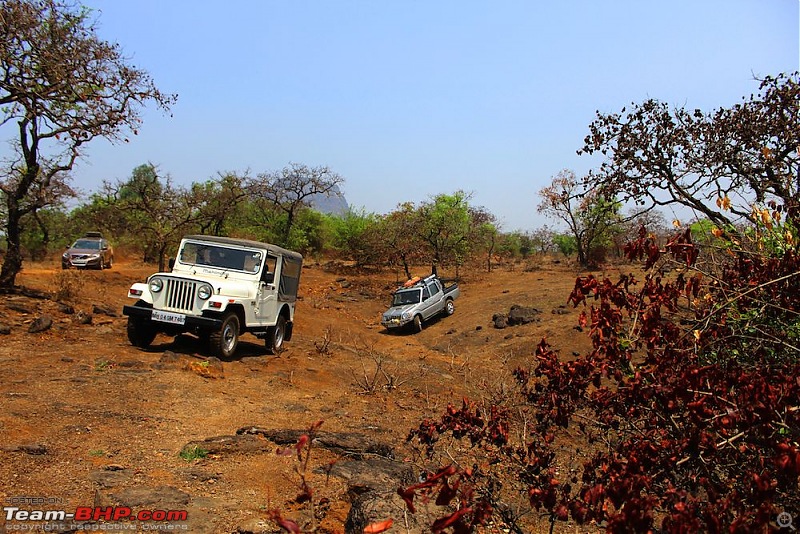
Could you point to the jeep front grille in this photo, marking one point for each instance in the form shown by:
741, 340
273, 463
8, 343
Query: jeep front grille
180, 294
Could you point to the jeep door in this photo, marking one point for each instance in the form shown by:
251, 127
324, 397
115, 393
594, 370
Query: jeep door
267, 305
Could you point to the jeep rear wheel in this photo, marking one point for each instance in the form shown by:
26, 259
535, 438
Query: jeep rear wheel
140, 333
225, 340
275, 336
449, 307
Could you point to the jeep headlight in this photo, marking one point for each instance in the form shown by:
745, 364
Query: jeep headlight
204, 292
406, 316
156, 284
94, 256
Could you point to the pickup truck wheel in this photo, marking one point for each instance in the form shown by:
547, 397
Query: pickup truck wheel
225, 340
449, 307
416, 325
275, 336
140, 334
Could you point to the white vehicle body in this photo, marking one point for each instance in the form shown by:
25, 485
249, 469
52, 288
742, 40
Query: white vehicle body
218, 289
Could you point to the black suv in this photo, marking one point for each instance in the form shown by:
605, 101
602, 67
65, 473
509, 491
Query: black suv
90, 251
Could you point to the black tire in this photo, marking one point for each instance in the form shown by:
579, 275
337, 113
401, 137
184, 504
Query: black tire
225, 340
110, 262
449, 307
275, 336
416, 324
102, 264
140, 333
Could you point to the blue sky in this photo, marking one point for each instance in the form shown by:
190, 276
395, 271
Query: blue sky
408, 99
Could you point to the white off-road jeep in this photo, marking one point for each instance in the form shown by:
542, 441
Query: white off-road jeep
219, 288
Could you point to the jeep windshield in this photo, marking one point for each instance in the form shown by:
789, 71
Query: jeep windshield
220, 257
406, 297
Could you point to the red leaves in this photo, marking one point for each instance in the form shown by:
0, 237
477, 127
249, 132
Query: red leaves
702, 440
682, 248
286, 524
448, 521
377, 528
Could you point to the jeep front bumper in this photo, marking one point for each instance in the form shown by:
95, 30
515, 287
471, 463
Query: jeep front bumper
171, 319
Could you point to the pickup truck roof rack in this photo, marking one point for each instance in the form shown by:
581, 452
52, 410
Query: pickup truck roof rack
93, 234
416, 281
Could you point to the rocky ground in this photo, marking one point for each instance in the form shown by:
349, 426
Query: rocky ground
88, 420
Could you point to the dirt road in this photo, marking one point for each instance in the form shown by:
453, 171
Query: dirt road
88, 420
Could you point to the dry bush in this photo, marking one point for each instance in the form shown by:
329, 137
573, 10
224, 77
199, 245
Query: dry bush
67, 285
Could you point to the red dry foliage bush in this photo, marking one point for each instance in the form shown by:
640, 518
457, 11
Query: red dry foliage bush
693, 382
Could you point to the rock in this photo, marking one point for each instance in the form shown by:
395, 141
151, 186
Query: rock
40, 324
560, 311
255, 526
104, 310
5, 329
373, 473
109, 479
230, 444
352, 444
522, 315
65, 308
36, 449
500, 320
82, 318
18, 308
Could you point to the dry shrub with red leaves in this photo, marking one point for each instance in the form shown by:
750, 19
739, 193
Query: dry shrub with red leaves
693, 384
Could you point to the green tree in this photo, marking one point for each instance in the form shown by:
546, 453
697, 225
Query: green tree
157, 211
60, 88
565, 243
401, 230
50, 227
445, 228
354, 234
218, 201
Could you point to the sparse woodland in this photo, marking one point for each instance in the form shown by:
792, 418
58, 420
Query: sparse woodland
689, 400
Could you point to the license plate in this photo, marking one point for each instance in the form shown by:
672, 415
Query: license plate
167, 317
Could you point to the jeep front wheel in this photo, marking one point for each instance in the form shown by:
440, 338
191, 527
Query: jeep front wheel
225, 340
140, 333
416, 324
275, 336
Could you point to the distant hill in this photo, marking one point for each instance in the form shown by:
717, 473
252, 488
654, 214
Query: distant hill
334, 204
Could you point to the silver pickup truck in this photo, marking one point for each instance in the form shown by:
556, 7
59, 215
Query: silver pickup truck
418, 300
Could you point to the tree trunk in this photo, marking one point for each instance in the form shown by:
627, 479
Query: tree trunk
12, 263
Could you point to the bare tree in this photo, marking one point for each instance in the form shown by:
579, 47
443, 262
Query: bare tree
717, 164
293, 188
590, 217
60, 88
